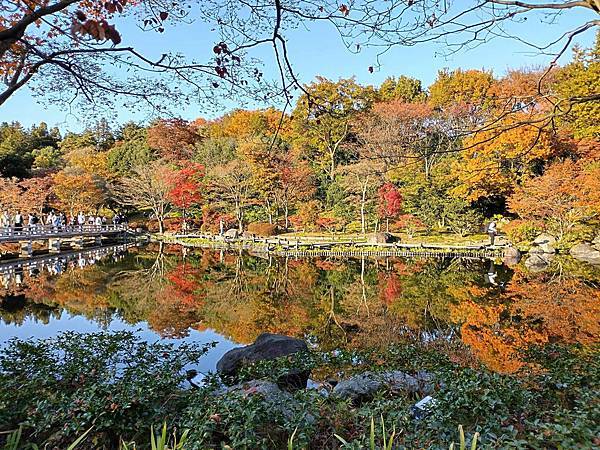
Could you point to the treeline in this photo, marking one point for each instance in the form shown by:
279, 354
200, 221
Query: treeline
348, 158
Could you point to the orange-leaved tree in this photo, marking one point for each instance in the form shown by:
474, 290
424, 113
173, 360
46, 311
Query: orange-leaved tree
76, 191
173, 138
568, 193
493, 163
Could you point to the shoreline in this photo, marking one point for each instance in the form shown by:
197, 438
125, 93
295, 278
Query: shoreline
322, 246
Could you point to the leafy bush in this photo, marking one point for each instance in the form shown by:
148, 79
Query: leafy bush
114, 382
119, 386
461, 219
579, 233
409, 224
262, 229
242, 419
521, 231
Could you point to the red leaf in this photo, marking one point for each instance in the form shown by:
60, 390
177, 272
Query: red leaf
163, 15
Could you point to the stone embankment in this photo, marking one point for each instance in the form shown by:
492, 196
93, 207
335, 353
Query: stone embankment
376, 244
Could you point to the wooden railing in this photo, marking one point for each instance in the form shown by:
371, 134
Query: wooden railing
49, 231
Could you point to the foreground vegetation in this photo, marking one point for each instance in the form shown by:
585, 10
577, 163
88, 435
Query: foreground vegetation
118, 386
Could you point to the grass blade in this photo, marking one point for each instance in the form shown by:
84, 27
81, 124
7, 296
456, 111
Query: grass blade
341, 439
80, 439
474, 443
372, 437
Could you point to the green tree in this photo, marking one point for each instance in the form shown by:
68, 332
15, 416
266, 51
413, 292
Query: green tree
402, 88
581, 78
131, 150
323, 119
15, 151
47, 158
468, 87
214, 151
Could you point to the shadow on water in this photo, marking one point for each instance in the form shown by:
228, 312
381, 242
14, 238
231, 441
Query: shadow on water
479, 310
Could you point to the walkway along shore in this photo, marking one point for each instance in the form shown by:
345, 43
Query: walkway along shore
323, 246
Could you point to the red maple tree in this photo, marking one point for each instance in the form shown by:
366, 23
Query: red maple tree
186, 188
390, 203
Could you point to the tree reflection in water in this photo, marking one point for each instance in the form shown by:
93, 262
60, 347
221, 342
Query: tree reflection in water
354, 303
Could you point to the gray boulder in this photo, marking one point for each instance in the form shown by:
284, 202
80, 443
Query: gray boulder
511, 256
538, 260
366, 385
545, 242
381, 238
596, 242
278, 400
586, 253
232, 233
267, 346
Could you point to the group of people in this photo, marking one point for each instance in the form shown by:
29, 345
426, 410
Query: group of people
55, 220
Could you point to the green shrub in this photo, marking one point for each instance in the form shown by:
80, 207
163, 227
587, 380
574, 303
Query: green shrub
114, 382
579, 233
118, 387
522, 231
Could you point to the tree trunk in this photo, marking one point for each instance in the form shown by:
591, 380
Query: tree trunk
332, 165
362, 209
287, 220
238, 215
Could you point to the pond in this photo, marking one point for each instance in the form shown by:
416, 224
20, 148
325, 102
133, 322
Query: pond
478, 310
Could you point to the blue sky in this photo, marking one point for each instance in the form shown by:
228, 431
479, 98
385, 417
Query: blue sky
316, 51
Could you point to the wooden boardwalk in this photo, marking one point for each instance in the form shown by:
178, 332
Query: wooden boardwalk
45, 232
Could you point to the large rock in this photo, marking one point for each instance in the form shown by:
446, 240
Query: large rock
511, 256
596, 242
266, 347
545, 242
586, 253
276, 399
232, 233
365, 385
381, 238
538, 260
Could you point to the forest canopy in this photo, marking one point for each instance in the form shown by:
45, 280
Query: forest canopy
347, 157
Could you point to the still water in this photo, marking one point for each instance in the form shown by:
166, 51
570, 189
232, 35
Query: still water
485, 312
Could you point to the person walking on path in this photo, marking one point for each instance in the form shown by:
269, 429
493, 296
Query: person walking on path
34, 221
18, 221
492, 231
5, 220
30, 222
81, 219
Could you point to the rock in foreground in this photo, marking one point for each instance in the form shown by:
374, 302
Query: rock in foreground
365, 385
267, 346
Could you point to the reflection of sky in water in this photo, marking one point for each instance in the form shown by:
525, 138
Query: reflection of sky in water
31, 329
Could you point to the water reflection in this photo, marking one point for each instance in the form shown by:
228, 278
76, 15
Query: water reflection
493, 312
